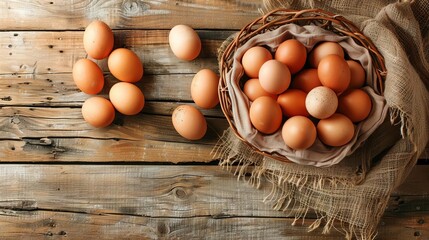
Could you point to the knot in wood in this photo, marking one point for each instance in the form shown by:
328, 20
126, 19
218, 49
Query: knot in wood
180, 193
28, 205
163, 229
8, 98
15, 120
132, 8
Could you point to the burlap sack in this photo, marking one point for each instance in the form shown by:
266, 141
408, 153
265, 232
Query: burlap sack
353, 193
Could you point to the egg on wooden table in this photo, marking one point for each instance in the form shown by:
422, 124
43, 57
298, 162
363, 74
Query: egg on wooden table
98, 40
189, 122
98, 112
204, 88
184, 42
88, 76
127, 98
125, 65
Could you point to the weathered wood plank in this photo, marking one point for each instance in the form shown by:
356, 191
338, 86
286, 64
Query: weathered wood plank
60, 89
131, 14
416, 179
18, 225
167, 108
53, 149
166, 201
60, 134
24, 122
58, 225
55, 52
153, 190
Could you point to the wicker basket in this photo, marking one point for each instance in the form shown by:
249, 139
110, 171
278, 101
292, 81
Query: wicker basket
273, 20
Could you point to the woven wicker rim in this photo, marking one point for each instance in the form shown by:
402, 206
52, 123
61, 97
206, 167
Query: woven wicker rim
276, 18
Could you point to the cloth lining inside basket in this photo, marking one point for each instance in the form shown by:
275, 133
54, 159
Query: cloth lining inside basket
352, 194
319, 154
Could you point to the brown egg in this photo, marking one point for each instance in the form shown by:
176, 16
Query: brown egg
88, 76
98, 112
274, 77
292, 103
125, 65
334, 72
253, 59
127, 98
355, 104
189, 122
306, 80
292, 53
266, 115
357, 74
321, 102
299, 132
184, 42
252, 88
204, 89
336, 130
322, 50
98, 40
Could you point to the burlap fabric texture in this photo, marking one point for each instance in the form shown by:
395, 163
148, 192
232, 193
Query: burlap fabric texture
353, 195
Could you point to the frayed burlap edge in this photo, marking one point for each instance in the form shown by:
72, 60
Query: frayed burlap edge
251, 167
285, 188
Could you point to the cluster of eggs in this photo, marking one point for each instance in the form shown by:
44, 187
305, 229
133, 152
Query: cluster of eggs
126, 66
308, 97
187, 120
122, 63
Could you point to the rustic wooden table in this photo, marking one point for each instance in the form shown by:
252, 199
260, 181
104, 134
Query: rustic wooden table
137, 179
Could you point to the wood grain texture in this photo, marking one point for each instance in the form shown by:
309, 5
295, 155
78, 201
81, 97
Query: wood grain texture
59, 149
127, 14
60, 90
156, 201
62, 179
43, 52
60, 134
36, 225
25, 122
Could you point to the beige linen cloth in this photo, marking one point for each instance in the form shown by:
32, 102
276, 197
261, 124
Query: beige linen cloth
354, 193
318, 154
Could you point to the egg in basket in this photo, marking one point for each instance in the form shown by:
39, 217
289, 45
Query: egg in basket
302, 86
